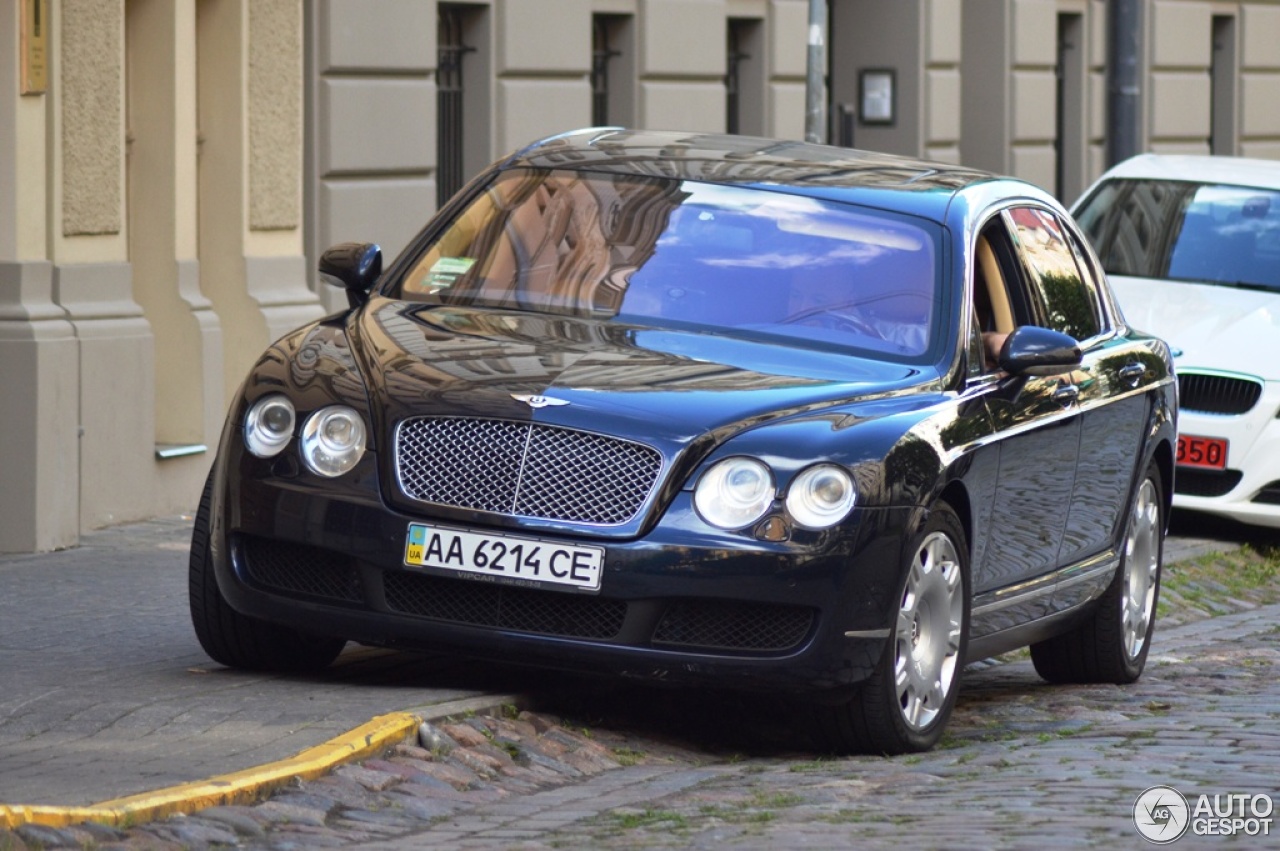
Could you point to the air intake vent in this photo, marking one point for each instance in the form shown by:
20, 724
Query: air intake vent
1217, 394
298, 569
720, 625
1205, 482
503, 607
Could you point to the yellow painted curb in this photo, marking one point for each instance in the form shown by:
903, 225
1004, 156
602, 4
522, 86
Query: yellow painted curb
240, 787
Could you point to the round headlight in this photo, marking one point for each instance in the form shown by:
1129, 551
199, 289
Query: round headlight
821, 496
332, 440
268, 425
734, 493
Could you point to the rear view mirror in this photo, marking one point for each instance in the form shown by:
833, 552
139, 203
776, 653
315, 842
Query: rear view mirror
354, 266
1031, 350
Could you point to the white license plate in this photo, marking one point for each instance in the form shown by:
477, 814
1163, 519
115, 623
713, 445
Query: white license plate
504, 558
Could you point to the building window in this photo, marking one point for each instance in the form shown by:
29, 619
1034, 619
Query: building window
1223, 74
450, 173
744, 77
601, 53
612, 74
1070, 138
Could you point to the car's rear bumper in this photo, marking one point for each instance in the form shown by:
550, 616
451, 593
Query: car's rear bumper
674, 605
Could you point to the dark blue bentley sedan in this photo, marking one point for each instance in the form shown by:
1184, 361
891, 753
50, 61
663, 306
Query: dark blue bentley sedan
710, 410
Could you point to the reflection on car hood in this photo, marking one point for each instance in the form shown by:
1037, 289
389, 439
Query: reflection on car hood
1214, 327
614, 377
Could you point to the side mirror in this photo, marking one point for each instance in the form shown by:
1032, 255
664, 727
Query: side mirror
354, 266
1031, 350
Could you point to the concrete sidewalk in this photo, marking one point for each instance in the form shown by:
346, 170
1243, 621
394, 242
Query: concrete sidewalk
105, 693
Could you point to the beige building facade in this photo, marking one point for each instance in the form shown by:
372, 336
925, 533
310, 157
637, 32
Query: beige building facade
171, 169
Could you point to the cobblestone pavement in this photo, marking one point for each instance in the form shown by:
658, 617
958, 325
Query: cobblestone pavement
1024, 765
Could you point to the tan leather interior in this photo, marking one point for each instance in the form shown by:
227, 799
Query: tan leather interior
997, 293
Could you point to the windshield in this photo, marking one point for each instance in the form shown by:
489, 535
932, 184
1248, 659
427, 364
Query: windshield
1183, 231
667, 252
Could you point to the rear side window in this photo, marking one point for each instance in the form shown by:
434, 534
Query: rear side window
1070, 303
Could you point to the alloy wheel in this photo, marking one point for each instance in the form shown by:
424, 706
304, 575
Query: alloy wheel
928, 631
1142, 566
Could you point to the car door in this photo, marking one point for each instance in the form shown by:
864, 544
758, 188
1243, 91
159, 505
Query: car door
1112, 384
1037, 432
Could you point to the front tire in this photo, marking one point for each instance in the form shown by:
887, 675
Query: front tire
240, 641
1112, 645
906, 703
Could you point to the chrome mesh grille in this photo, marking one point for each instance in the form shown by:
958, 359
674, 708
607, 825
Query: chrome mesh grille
524, 469
1217, 394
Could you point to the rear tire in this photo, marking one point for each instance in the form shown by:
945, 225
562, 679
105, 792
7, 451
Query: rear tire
237, 640
906, 703
1112, 645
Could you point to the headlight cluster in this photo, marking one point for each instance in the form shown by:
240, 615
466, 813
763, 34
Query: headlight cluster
332, 442
734, 493
269, 425
821, 496
738, 491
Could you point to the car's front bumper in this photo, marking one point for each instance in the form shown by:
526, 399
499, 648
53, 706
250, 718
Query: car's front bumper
1248, 490
681, 603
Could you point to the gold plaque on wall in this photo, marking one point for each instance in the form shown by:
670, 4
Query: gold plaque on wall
35, 46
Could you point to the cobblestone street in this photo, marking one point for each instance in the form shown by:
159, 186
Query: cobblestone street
1023, 765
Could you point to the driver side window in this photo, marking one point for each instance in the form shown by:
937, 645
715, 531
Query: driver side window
993, 307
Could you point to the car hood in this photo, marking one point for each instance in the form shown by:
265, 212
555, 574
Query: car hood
1212, 327
659, 384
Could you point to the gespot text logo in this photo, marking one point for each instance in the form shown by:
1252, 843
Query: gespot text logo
1163, 815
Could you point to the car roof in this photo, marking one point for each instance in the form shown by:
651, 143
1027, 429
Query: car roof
1237, 171
846, 174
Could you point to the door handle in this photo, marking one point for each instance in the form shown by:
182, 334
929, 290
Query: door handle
1066, 394
1132, 373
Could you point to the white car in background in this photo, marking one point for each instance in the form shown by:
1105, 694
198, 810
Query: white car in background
1192, 247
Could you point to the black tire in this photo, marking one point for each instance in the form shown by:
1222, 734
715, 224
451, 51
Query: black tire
884, 716
240, 641
1111, 645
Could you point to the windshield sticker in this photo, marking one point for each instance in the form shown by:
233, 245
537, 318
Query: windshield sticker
445, 271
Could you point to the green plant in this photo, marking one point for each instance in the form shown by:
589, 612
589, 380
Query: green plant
649, 817
847, 817
812, 765
776, 799
628, 756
